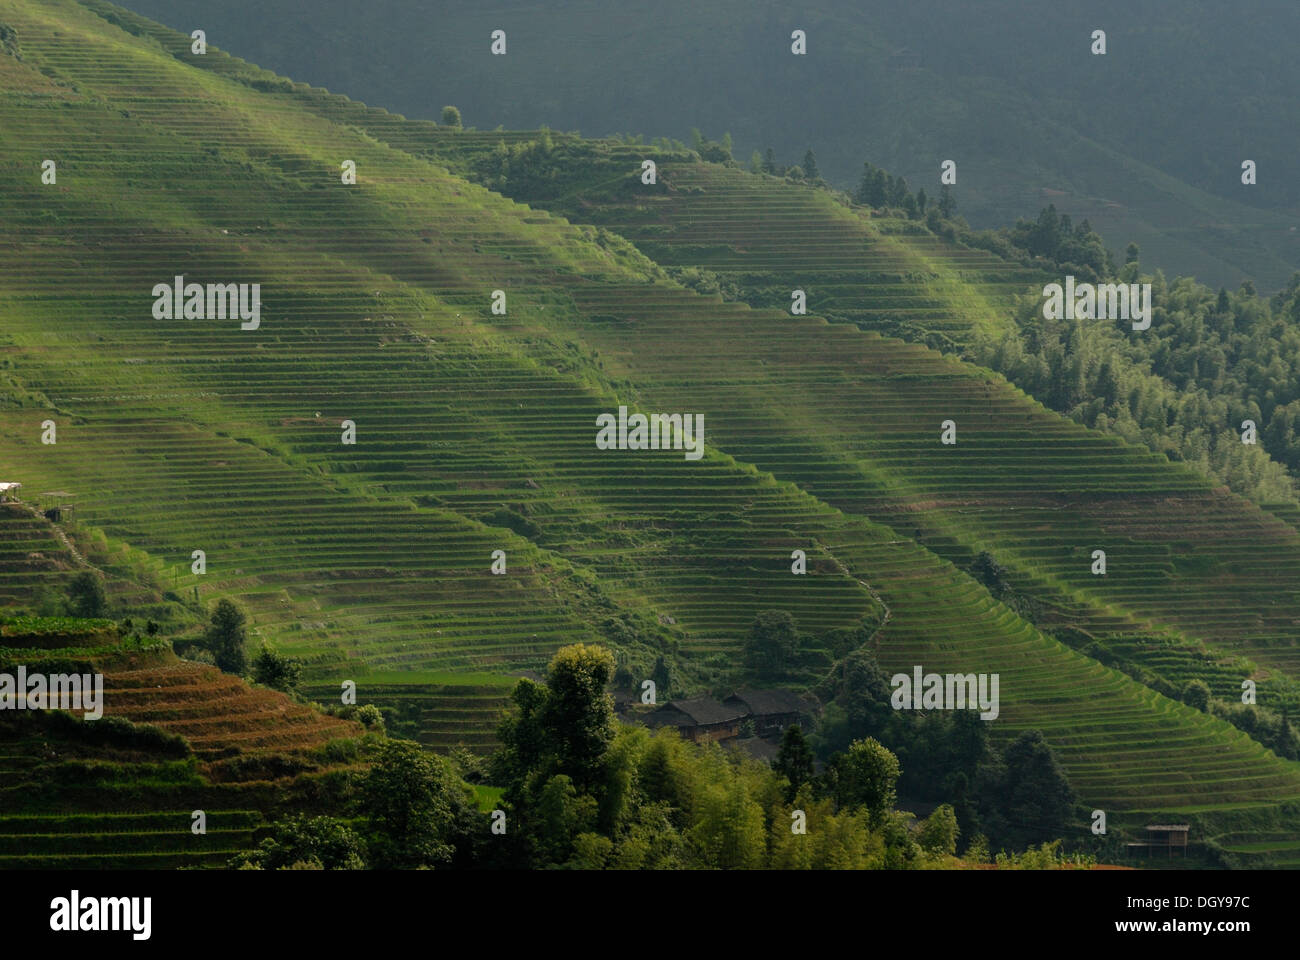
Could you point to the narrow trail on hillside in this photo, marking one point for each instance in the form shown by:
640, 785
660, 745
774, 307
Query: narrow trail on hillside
63, 537
874, 639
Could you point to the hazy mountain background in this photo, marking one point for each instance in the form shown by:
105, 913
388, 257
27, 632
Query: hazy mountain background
1146, 141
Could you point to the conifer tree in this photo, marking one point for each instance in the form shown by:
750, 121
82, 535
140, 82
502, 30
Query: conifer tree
810, 166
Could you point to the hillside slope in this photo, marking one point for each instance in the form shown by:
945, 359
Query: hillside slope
475, 430
762, 238
175, 738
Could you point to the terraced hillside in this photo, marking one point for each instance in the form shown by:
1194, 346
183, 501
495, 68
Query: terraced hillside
1041, 494
114, 794
474, 433
217, 714
440, 710
364, 551
757, 234
30, 555
69, 804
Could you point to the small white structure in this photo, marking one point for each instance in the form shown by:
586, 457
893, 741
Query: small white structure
9, 491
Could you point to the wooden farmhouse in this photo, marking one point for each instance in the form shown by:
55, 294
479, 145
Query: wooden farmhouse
771, 711
701, 718
1163, 837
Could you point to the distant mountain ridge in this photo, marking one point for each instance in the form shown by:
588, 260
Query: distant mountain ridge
1146, 141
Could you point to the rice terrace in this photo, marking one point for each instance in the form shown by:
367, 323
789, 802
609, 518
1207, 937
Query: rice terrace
358, 510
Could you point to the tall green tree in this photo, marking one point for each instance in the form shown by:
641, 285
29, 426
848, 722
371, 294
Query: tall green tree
323, 843
419, 811
577, 714
1196, 694
555, 743
794, 760
1045, 237
772, 645
87, 594
561, 813
947, 203
663, 679
227, 637
277, 672
810, 166
729, 832
862, 194
937, 833
865, 775
862, 690
878, 188
1026, 799
896, 188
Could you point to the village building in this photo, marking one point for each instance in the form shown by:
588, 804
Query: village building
764, 714
9, 492
1163, 837
772, 711
701, 718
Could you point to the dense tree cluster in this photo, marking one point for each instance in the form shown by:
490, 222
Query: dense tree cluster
584, 792
1185, 387
1272, 728
1051, 241
994, 576
806, 172
577, 790
1210, 361
772, 645
410, 810
1015, 796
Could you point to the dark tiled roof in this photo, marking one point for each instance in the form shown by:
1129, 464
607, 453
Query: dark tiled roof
768, 702
701, 710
